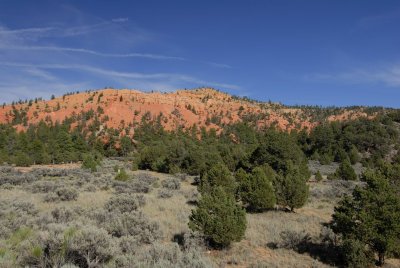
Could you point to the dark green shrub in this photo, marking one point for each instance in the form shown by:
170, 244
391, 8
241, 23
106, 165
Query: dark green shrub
355, 254
291, 189
370, 217
219, 218
318, 176
22, 160
256, 189
89, 163
218, 175
345, 171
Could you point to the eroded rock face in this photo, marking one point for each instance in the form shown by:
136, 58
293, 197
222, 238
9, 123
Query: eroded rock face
204, 107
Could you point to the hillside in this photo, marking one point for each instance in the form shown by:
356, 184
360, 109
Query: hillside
204, 107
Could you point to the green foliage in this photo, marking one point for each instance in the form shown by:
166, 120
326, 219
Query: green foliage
218, 175
22, 160
277, 149
371, 215
345, 172
256, 189
219, 218
291, 188
355, 254
89, 162
339, 140
318, 176
354, 155
126, 145
121, 175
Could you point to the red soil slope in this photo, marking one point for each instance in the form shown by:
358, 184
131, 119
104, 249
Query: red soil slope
182, 107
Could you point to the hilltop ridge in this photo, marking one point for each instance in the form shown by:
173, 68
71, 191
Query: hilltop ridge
203, 107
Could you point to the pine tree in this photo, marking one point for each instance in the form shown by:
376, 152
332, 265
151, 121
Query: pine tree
218, 175
291, 189
354, 155
38, 153
346, 171
371, 216
219, 218
22, 160
64, 148
89, 163
256, 189
126, 145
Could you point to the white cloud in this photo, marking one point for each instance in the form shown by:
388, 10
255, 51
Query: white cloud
218, 65
93, 52
154, 81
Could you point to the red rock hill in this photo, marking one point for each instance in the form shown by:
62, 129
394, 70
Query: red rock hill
203, 107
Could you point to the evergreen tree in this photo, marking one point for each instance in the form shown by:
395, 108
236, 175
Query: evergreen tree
38, 153
291, 189
64, 148
218, 175
318, 176
354, 155
256, 189
22, 160
219, 218
126, 145
89, 162
345, 171
371, 216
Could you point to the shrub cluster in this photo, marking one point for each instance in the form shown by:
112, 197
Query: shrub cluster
171, 184
62, 194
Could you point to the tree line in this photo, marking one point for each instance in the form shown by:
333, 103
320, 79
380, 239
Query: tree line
243, 168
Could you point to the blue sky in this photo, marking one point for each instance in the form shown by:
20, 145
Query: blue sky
296, 52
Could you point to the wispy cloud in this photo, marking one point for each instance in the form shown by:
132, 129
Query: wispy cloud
218, 65
33, 71
16, 39
57, 31
166, 77
389, 76
60, 57
26, 30
93, 52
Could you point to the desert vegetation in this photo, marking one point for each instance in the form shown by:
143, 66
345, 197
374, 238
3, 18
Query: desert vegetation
245, 195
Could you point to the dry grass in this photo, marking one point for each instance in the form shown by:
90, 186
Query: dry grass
263, 229
171, 213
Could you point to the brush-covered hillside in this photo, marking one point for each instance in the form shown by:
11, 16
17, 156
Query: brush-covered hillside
204, 107
197, 178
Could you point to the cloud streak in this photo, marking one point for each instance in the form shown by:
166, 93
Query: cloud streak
93, 52
389, 76
167, 77
37, 32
